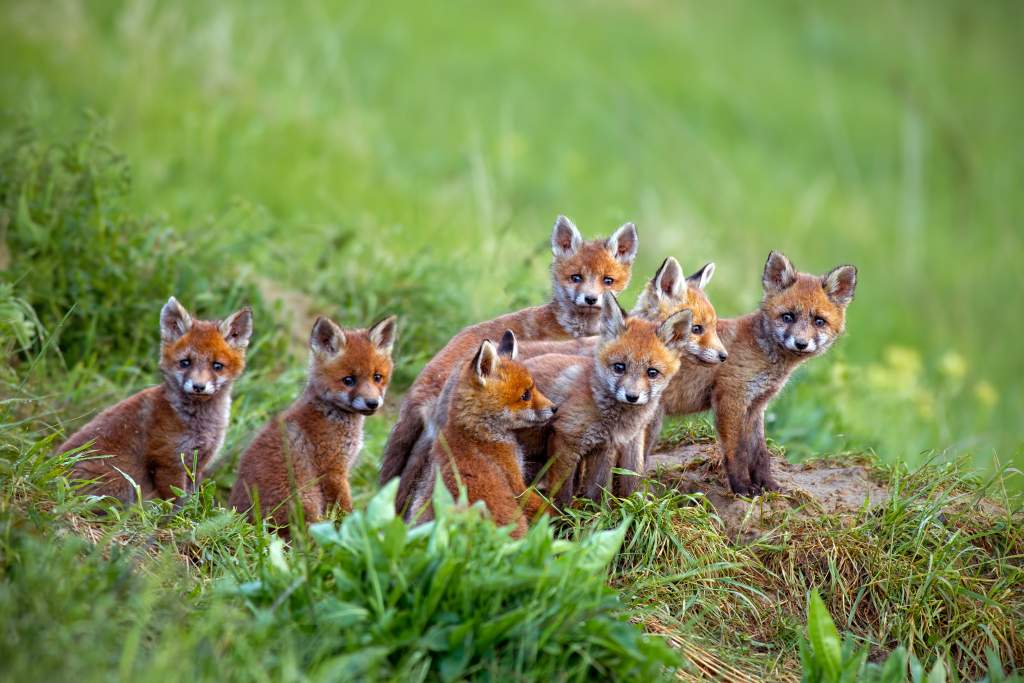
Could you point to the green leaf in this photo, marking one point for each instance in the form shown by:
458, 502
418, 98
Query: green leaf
824, 638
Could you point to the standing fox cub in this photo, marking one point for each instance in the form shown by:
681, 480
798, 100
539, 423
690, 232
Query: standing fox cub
799, 318
305, 453
493, 397
607, 399
581, 272
153, 436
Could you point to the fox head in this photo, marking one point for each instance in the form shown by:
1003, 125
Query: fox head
200, 357
582, 271
350, 369
668, 292
636, 358
805, 313
500, 390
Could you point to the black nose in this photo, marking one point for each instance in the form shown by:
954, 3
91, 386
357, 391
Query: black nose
722, 355
632, 398
591, 300
198, 388
554, 409
801, 345
372, 403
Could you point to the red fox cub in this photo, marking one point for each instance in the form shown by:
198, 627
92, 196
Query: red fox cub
493, 397
799, 318
581, 272
607, 399
664, 294
308, 450
153, 436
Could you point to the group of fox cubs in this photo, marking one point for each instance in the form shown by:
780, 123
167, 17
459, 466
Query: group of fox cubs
560, 399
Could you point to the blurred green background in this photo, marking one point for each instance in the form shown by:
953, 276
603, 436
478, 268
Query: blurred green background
412, 157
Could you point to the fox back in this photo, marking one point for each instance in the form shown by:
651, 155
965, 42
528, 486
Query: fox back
165, 437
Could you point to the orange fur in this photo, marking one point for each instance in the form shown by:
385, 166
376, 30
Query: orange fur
305, 454
161, 434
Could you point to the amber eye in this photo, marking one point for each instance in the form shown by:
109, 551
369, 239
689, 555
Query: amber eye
619, 368
218, 366
608, 281
576, 277
788, 317
184, 362
652, 372
348, 380
697, 329
526, 395
377, 377
819, 322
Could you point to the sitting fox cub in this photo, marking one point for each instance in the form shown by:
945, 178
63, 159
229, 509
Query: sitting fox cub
492, 398
153, 436
306, 452
607, 399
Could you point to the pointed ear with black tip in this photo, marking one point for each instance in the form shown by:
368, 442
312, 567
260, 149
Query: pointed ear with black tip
485, 363
623, 244
237, 328
326, 340
779, 273
675, 331
668, 281
565, 238
613, 318
839, 284
175, 321
702, 277
382, 334
508, 346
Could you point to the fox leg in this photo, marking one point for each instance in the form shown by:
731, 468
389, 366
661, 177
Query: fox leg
651, 433
336, 489
729, 424
165, 477
562, 472
631, 457
759, 457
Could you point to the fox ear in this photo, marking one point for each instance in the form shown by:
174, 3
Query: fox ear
702, 277
623, 243
565, 238
174, 321
613, 318
508, 346
237, 328
383, 333
779, 273
668, 281
674, 332
326, 339
839, 284
486, 361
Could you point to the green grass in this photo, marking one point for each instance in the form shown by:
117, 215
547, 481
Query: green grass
410, 159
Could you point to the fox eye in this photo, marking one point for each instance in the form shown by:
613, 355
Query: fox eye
218, 366
184, 362
576, 277
348, 380
788, 317
377, 377
697, 329
652, 372
608, 281
619, 368
819, 321
526, 395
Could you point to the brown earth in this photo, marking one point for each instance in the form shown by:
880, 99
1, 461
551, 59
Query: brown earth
811, 488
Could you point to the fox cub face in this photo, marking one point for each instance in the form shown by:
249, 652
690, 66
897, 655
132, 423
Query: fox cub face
583, 271
201, 357
350, 369
636, 358
502, 388
805, 313
670, 291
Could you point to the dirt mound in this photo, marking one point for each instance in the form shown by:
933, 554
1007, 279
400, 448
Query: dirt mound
808, 489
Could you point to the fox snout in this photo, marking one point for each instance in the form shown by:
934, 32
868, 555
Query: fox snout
366, 404
199, 385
